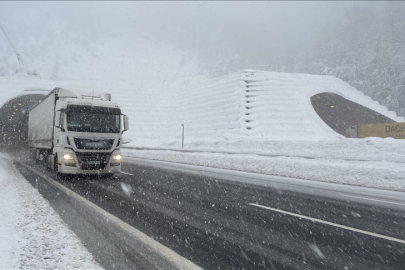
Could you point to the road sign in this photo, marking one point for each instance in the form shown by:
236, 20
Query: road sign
384, 130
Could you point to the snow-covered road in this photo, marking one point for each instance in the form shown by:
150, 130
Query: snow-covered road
32, 235
36, 237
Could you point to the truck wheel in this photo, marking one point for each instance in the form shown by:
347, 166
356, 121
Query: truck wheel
36, 155
47, 160
55, 164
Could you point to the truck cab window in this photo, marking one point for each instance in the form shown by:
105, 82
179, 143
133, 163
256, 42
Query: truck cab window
85, 121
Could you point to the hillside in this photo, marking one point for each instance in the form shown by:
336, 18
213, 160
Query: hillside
242, 106
108, 58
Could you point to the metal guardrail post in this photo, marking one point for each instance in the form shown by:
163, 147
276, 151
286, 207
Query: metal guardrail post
182, 137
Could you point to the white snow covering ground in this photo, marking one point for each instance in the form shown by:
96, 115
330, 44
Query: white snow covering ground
251, 121
32, 235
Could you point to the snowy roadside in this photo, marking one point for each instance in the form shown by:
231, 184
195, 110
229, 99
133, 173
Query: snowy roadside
372, 162
32, 235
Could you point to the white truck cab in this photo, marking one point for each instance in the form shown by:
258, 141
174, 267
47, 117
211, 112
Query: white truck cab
77, 132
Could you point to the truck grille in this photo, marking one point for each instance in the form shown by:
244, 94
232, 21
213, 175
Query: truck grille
93, 161
93, 144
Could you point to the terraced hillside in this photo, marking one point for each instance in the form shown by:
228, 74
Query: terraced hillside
245, 105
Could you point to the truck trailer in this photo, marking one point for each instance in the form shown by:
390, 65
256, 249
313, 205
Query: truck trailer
77, 132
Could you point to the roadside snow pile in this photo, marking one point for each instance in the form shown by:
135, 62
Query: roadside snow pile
32, 235
10, 237
371, 162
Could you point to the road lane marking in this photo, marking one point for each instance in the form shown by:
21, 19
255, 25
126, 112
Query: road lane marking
370, 199
169, 255
127, 173
330, 223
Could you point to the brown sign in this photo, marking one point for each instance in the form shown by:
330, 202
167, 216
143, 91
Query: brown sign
393, 130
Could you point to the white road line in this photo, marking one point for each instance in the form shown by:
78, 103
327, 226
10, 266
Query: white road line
172, 257
331, 224
370, 199
190, 171
127, 173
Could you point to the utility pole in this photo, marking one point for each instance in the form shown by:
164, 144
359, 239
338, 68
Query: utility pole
21, 61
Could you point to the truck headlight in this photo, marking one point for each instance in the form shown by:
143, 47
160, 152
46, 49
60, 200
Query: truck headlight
67, 157
117, 157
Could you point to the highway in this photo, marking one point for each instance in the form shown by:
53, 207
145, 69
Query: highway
219, 219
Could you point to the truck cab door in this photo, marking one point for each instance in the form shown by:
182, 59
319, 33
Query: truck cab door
59, 128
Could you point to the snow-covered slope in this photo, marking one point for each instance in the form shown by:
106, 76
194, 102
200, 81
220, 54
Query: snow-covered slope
107, 58
251, 121
248, 104
278, 105
242, 106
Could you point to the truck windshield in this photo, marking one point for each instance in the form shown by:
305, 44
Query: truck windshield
93, 120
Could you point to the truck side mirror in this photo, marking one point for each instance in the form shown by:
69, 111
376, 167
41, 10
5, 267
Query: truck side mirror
61, 128
126, 123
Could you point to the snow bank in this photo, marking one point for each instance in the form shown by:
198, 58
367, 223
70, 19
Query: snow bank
372, 162
10, 237
32, 235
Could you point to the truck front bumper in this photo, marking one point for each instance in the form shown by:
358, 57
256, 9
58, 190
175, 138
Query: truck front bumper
90, 162
68, 168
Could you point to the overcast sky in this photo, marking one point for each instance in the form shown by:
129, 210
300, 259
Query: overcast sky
256, 27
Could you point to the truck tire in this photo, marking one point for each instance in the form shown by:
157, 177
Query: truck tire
46, 160
55, 163
35, 154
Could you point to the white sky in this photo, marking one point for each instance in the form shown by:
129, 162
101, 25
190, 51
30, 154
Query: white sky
258, 28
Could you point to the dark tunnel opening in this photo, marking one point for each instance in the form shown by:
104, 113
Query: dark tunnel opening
14, 123
340, 113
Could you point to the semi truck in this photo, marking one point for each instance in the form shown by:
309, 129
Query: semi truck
77, 132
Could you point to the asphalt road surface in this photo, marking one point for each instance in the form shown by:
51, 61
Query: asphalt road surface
218, 221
